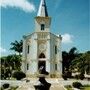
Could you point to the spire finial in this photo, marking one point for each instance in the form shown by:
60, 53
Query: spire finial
42, 9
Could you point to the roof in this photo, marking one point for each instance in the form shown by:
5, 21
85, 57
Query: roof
42, 11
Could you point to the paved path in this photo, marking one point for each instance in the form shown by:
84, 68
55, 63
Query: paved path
50, 80
31, 87
55, 85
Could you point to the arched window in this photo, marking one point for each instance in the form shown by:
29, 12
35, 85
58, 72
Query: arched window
42, 55
28, 49
42, 26
55, 49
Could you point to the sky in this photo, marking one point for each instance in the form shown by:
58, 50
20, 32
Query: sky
70, 19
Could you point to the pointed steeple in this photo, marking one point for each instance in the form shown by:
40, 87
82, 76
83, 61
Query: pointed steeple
42, 12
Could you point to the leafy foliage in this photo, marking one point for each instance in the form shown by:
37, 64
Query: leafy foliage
8, 64
68, 57
6, 85
64, 76
19, 75
11, 62
81, 76
82, 63
77, 85
17, 46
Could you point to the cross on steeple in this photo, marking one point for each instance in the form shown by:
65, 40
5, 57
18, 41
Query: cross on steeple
42, 11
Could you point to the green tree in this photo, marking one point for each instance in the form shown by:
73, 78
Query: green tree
82, 63
17, 46
72, 54
19, 75
14, 61
65, 60
8, 64
68, 57
3, 69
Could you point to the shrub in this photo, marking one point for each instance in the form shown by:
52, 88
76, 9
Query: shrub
69, 74
6, 85
76, 76
81, 76
19, 75
64, 76
77, 85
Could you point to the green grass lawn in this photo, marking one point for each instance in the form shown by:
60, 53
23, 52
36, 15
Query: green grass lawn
85, 87
11, 88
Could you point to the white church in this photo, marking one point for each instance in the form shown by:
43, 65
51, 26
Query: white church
42, 48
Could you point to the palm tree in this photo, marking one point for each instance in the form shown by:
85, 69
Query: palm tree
72, 54
3, 68
17, 46
65, 60
16, 59
68, 57
82, 63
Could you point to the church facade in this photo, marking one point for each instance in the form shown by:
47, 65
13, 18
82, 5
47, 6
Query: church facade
42, 48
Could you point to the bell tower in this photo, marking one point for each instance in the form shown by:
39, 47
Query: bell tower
42, 49
42, 20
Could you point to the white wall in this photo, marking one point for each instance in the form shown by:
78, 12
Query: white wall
51, 58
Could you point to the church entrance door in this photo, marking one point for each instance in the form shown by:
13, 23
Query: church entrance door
42, 66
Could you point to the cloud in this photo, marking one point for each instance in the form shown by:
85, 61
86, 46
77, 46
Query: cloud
24, 5
67, 38
2, 50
